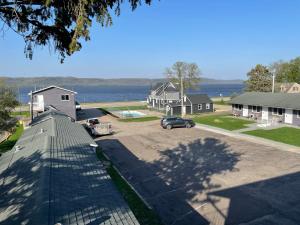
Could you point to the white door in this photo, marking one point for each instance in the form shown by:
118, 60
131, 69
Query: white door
265, 114
288, 116
40, 102
245, 111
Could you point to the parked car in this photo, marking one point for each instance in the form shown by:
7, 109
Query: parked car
97, 128
77, 106
172, 122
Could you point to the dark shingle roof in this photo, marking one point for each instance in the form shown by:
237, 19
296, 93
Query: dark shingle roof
279, 100
194, 98
199, 98
56, 177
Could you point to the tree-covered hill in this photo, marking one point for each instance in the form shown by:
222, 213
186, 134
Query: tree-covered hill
75, 81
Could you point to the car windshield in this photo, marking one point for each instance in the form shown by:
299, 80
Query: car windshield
94, 121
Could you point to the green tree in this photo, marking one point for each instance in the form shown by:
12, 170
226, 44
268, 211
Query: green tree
259, 79
287, 71
189, 72
7, 103
59, 23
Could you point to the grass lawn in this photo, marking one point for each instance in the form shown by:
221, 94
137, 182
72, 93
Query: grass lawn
22, 113
224, 122
221, 102
8, 144
122, 108
143, 214
140, 119
287, 135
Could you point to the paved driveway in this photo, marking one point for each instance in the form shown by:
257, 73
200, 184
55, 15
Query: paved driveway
191, 176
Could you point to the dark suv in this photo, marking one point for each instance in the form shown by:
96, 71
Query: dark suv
172, 122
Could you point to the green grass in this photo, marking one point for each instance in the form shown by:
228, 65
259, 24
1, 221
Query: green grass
11, 141
22, 113
143, 214
221, 102
224, 122
122, 108
287, 135
140, 119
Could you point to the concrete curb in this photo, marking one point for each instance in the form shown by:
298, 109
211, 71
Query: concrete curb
143, 200
253, 139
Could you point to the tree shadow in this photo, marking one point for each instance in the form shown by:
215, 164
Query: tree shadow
271, 201
69, 186
85, 114
174, 182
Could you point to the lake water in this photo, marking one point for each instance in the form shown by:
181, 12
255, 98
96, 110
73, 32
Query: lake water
133, 93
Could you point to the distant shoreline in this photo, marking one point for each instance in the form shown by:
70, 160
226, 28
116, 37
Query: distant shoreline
39, 82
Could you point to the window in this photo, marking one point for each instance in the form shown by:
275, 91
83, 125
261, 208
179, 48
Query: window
298, 113
256, 109
65, 97
199, 106
207, 106
277, 111
236, 107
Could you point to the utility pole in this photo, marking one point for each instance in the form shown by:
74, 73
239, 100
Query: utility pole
31, 106
181, 90
273, 83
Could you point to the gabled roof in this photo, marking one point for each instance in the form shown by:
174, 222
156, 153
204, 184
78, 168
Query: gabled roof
267, 99
54, 177
51, 87
192, 99
199, 98
159, 88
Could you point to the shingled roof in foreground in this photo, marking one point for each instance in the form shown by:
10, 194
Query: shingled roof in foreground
53, 176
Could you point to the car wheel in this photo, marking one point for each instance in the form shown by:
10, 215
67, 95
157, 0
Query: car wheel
188, 125
169, 127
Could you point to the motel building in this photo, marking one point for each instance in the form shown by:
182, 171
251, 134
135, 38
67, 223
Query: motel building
272, 108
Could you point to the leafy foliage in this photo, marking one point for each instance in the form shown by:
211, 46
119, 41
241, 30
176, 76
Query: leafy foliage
61, 22
287, 71
259, 79
12, 140
7, 103
189, 72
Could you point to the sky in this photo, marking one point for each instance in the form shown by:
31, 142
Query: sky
225, 38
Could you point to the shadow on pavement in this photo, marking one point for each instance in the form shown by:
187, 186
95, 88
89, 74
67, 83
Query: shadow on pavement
170, 184
85, 114
271, 201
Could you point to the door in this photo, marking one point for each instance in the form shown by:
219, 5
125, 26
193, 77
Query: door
265, 114
179, 122
245, 111
40, 103
288, 117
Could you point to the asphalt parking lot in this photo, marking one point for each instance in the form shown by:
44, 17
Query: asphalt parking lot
191, 176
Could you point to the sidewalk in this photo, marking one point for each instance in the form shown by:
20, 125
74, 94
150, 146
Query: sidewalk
253, 139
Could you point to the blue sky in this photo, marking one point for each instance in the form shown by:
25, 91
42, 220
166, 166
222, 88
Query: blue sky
225, 38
